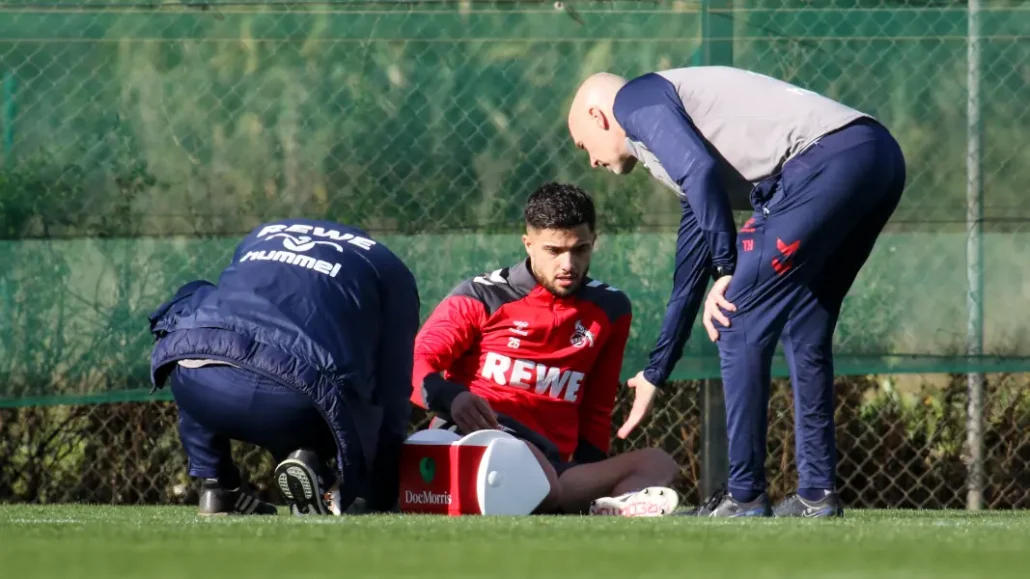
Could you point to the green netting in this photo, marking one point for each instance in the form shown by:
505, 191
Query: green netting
140, 141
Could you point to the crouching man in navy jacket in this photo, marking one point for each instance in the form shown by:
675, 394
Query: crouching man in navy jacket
304, 348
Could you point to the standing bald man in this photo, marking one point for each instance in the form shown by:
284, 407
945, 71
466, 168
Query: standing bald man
822, 178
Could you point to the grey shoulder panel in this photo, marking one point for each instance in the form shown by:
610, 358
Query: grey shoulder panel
492, 289
610, 299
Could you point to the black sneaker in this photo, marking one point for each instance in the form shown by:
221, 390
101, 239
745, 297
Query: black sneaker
305, 484
796, 506
722, 504
217, 500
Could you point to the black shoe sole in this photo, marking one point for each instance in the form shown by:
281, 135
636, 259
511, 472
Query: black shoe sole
298, 484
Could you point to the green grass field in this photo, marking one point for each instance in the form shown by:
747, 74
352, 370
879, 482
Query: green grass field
165, 542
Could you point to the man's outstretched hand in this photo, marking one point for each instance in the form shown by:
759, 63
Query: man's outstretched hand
643, 398
472, 413
715, 306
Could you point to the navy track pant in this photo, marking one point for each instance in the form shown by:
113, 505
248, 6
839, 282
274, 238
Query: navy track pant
813, 228
218, 404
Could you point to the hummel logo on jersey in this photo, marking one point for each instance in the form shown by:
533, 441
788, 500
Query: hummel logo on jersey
290, 258
303, 243
519, 328
787, 250
595, 283
494, 278
582, 336
525, 375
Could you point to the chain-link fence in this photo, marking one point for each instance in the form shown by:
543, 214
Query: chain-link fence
141, 140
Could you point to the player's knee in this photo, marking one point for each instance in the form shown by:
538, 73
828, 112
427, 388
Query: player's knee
659, 466
553, 498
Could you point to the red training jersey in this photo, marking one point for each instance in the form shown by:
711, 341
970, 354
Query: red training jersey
549, 362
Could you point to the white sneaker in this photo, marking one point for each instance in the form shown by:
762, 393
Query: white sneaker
649, 502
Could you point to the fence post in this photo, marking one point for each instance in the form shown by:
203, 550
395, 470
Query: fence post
716, 49
715, 460
974, 263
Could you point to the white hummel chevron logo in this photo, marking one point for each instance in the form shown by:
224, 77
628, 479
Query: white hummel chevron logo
520, 328
595, 283
495, 277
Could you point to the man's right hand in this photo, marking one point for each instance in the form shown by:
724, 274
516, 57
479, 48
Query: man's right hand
642, 401
472, 413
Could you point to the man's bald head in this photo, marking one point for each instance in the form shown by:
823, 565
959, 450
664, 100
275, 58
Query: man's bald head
598, 90
593, 126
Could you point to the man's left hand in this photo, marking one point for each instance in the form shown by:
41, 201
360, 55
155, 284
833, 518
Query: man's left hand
714, 306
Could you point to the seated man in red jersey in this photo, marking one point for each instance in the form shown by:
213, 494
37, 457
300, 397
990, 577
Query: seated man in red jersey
536, 350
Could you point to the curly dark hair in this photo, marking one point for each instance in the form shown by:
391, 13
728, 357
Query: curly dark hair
559, 206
